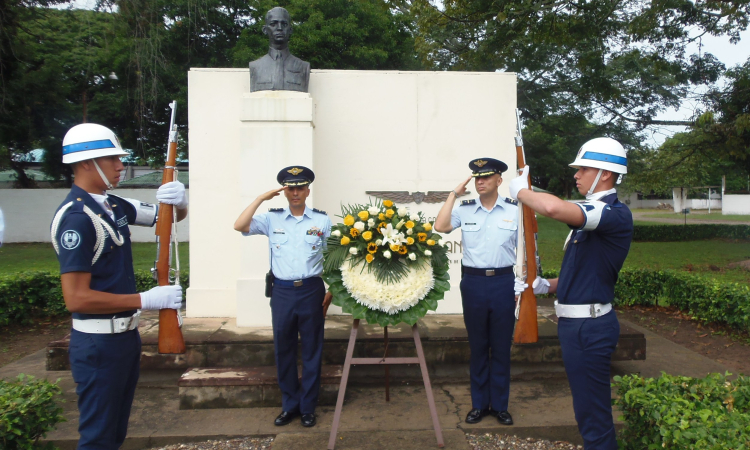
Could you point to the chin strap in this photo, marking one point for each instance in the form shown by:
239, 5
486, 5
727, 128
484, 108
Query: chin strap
591, 190
109, 185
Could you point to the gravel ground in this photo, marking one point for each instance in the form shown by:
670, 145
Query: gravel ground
504, 442
232, 444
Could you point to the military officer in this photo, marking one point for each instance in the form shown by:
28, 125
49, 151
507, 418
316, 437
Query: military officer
296, 237
601, 232
91, 237
489, 227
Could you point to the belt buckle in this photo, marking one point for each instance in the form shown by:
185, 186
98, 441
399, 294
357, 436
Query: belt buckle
489, 273
297, 283
592, 311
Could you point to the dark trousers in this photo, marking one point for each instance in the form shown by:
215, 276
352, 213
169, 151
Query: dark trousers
298, 310
489, 306
587, 347
105, 368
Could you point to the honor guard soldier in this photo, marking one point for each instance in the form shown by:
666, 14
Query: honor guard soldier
489, 228
91, 237
299, 301
596, 248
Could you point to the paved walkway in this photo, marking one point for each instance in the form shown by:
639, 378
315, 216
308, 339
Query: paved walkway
541, 407
679, 219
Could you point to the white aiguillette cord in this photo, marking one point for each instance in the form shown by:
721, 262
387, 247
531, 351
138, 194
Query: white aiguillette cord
520, 268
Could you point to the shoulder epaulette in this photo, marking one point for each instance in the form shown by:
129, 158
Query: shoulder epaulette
468, 202
275, 209
320, 211
511, 201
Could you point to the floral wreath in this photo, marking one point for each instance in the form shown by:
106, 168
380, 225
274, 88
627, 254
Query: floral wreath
385, 264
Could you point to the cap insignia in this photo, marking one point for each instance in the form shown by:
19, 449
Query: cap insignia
295, 171
480, 162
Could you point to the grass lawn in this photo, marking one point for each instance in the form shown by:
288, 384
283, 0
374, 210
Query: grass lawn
694, 215
706, 258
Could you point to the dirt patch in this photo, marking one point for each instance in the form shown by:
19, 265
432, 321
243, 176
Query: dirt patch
722, 344
743, 264
17, 341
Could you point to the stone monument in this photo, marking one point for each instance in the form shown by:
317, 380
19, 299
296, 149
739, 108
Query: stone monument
279, 70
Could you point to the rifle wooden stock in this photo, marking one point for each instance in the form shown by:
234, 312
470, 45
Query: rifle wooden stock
170, 334
527, 328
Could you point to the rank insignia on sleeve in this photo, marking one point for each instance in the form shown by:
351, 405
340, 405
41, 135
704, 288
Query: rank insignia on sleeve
468, 202
511, 201
275, 209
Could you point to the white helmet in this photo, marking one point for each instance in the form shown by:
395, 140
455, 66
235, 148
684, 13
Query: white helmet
602, 153
89, 141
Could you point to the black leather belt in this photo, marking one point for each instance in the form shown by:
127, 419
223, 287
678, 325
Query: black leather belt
295, 283
487, 272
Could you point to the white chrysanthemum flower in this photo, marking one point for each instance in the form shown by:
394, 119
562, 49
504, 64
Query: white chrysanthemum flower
370, 222
402, 211
359, 226
409, 232
387, 254
335, 233
427, 253
373, 210
389, 298
379, 242
412, 256
414, 216
353, 250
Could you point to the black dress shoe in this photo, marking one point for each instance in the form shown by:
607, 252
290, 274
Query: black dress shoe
504, 418
285, 417
308, 420
475, 415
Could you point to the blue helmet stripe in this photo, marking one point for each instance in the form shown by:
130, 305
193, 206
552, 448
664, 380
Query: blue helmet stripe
91, 145
606, 158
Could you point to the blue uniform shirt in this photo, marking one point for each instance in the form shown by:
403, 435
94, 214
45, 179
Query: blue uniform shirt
296, 243
488, 236
76, 238
596, 252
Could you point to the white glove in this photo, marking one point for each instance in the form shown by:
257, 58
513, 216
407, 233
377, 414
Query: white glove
162, 297
518, 183
172, 193
519, 286
540, 286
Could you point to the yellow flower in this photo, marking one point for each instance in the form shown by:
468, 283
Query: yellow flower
430, 242
369, 258
422, 237
381, 225
402, 250
349, 220
389, 213
367, 235
387, 203
364, 215
427, 226
372, 247
345, 240
395, 247
409, 224
354, 232
381, 216
409, 240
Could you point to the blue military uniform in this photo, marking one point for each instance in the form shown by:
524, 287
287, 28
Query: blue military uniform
296, 246
489, 252
105, 367
594, 255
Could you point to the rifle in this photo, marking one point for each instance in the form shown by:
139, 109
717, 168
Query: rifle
170, 322
527, 258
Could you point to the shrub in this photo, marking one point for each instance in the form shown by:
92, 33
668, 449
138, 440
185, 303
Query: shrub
674, 412
28, 410
670, 233
30, 295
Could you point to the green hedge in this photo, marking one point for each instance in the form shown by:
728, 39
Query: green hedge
673, 412
28, 410
669, 233
30, 295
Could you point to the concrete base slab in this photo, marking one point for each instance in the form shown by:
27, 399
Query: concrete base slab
411, 440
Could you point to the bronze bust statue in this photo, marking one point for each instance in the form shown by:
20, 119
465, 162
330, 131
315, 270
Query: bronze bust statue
279, 70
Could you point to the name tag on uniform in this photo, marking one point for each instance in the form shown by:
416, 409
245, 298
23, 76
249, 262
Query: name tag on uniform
279, 231
470, 223
122, 221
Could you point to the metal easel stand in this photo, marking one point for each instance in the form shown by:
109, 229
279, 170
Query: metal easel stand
384, 361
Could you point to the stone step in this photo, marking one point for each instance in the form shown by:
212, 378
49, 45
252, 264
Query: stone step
245, 387
218, 342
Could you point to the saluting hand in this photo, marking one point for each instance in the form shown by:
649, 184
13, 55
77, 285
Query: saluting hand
271, 194
461, 188
327, 302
